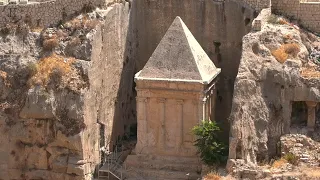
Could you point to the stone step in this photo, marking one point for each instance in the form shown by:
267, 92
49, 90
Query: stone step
160, 163
152, 174
168, 159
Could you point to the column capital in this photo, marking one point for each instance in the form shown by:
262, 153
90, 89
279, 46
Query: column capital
142, 99
204, 100
311, 103
180, 101
161, 100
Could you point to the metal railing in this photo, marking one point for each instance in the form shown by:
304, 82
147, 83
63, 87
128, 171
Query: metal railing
112, 164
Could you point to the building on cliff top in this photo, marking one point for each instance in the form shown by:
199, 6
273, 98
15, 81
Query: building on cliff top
175, 91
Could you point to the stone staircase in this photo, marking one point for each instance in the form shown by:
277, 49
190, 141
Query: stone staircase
162, 167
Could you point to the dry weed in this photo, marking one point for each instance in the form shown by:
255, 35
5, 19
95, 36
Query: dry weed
51, 65
282, 21
91, 24
75, 41
212, 176
312, 173
4, 75
50, 44
61, 34
292, 49
310, 72
282, 53
76, 23
279, 163
288, 37
37, 29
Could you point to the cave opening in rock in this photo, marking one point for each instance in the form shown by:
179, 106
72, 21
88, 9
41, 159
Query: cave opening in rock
299, 114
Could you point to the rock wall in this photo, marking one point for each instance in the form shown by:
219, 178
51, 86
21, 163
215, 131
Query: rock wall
217, 25
57, 133
307, 12
264, 92
44, 13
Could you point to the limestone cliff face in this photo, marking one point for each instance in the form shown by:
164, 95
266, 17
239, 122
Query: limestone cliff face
56, 131
265, 89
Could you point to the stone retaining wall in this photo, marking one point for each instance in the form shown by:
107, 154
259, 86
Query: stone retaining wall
43, 13
258, 4
306, 11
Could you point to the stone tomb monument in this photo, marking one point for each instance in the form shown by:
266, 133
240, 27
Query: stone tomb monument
175, 91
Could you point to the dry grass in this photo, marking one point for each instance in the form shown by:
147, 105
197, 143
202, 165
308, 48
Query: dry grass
282, 21
288, 37
310, 72
282, 53
4, 75
49, 65
61, 34
91, 24
312, 173
37, 29
50, 44
279, 163
212, 176
84, 23
75, 41
76, 23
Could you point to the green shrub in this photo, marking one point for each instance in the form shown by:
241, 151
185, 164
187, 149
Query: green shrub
273, 19
211, 150
291, 158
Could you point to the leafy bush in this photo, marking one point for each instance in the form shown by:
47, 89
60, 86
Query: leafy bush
211, 150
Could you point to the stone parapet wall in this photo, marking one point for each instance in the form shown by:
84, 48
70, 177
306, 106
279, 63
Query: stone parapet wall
43, 13
307, 12
258, 4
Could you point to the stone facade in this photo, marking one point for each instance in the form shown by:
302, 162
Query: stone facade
307, 12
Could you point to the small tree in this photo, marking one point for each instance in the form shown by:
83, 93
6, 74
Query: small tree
211, 150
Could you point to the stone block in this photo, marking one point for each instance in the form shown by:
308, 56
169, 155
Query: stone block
38, 105
23, 1
60, 164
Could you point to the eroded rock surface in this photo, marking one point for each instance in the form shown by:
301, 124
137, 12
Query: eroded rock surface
265, 90
54, 120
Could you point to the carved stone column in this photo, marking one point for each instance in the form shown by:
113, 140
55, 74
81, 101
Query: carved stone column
162, 106
204, 109
142, 123
180, 121
311, 114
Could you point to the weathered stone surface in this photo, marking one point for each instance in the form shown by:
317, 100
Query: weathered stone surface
56, 131
60, 164
38, 105
36, 158
264, 92
179, 56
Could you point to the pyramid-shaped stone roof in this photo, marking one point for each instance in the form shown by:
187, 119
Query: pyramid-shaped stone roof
179, 57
